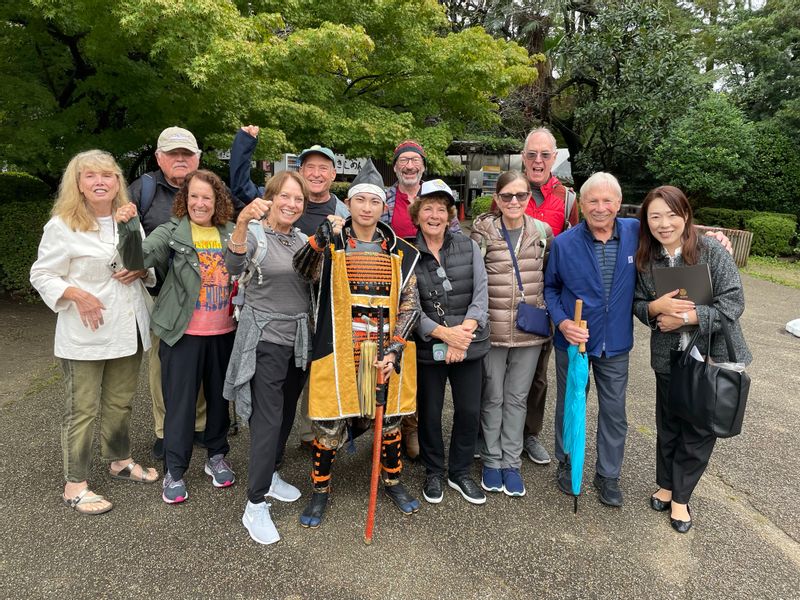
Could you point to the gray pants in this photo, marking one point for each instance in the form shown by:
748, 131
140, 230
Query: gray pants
611, 381
509, 372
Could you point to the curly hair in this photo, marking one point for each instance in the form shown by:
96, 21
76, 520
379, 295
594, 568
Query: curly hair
223, 204
416, 206
70, 204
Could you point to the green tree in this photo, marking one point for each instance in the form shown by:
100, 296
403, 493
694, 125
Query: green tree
762, 53
616, 72
709, 154
358, 76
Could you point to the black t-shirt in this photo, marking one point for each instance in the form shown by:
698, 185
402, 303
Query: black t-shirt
316, 213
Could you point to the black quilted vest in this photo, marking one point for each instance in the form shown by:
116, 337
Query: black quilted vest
456, 259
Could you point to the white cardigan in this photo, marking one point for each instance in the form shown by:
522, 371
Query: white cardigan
81, 259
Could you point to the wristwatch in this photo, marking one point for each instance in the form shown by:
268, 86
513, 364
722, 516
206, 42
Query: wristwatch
685, 318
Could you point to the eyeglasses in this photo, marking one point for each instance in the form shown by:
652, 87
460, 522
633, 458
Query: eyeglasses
508, 198
533, 154
448, 287
410, 160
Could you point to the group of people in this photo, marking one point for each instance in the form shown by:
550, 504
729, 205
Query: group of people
272, 296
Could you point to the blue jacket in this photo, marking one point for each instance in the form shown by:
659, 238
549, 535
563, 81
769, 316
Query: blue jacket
242, 150
573, 272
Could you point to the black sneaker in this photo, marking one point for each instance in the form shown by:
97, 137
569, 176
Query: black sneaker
610, 494
158, 449
564, 478
433, 492
468, 488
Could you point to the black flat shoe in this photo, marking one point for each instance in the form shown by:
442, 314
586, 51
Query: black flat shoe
659, 505
681, 526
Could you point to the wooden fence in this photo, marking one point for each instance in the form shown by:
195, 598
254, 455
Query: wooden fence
740, 240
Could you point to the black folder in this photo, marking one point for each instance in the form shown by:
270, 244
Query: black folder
694, 283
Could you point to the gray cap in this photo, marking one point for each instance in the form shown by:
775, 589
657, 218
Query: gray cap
317, 149
368, 180
173, 138
437, 186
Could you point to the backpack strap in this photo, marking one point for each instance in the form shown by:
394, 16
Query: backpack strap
254, 265
542, 234
569, 204
148, 193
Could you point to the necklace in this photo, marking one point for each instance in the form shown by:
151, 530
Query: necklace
287, 239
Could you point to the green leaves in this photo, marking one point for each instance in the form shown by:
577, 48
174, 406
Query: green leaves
358, 76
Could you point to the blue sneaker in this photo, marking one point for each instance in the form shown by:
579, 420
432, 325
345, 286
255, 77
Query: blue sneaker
492, 480
512, 482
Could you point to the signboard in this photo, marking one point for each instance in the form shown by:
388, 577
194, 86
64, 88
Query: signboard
349, 166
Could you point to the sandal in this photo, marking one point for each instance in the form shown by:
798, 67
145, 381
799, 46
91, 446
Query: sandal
126, 473
86, 503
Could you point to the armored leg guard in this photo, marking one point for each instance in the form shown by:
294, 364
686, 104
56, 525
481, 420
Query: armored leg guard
322, 465
392, 466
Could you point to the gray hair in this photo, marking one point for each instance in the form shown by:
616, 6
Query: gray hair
601, 179
542, 130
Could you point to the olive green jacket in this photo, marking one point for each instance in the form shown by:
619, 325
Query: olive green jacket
169, 248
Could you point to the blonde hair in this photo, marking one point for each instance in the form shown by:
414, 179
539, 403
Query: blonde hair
70, 205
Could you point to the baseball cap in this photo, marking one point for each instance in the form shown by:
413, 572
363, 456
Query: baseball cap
317, 149
437, 186
173, 138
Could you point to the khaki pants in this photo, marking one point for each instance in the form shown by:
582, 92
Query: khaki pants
154, 375
97, 389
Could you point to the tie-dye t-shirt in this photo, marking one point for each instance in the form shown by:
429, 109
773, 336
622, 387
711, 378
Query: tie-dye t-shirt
211, 308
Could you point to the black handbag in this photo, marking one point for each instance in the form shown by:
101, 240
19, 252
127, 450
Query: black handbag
530, 319
706, 395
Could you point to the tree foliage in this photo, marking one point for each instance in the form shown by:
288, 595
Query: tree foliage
357, 76
709, 154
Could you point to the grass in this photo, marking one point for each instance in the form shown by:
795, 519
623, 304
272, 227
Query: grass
784, 271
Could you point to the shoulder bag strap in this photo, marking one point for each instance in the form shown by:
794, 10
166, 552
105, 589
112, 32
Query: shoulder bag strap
513, 257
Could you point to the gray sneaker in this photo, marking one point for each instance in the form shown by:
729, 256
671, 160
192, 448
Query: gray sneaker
220, 470
281, 490
536, 451
258, 523
173, 491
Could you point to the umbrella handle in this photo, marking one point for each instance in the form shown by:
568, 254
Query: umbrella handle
578, 311
582, 346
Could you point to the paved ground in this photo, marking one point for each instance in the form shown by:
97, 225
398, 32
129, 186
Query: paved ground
744, 543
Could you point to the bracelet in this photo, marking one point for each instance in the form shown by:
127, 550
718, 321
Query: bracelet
237, 244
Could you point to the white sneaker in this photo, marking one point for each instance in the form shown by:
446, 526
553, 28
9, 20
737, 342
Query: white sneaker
280, 490
259, 524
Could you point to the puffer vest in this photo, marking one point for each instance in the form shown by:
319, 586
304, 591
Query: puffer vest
456, 260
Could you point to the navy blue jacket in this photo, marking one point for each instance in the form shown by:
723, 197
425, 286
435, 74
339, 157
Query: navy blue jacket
573, 272
242, 150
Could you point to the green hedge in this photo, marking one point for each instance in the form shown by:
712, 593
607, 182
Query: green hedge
734, 219
21, 224
772, 234
480, 205
339, 188
21, 186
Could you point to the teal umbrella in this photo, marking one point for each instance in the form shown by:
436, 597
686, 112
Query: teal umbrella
574, 424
